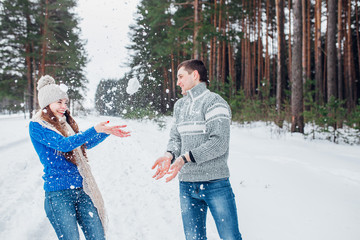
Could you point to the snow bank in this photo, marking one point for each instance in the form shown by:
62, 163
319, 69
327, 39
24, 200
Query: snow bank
286, 187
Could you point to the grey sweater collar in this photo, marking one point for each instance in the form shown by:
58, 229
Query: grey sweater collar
197, 90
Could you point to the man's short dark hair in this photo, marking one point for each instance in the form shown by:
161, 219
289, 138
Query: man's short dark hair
195, 64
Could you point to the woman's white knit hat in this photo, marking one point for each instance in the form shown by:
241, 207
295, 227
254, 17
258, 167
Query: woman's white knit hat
49, 92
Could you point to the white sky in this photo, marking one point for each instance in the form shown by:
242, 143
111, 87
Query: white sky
105, 26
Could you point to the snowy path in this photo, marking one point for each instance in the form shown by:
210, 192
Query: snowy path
13, 144
286, 188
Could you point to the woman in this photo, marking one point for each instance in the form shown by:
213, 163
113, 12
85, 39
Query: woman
71, 193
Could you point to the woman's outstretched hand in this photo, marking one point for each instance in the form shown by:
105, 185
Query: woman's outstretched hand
113, 130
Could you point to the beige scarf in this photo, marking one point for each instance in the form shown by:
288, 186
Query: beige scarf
89, 185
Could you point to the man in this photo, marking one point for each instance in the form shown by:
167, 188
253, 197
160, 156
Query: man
199, 147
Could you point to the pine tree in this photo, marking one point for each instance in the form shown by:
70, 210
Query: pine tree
40, 37
156, 46
62, 53
18, 43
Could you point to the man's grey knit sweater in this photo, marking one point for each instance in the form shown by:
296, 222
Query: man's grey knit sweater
202, 128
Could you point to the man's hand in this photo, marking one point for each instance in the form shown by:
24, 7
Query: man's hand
175, 168
163, 163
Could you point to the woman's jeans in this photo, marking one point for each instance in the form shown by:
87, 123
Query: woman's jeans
66, 208
196, 197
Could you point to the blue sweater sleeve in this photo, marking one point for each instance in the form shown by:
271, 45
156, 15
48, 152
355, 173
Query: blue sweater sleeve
98, 138
58, 142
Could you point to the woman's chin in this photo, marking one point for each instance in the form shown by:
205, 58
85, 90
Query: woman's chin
59, 115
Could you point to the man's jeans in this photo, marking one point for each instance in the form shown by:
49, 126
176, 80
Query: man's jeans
66, 208
196, 197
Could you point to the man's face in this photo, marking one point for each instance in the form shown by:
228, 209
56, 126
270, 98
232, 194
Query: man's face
187, 80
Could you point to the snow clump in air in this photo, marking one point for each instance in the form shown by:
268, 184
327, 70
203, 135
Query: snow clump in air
133, 86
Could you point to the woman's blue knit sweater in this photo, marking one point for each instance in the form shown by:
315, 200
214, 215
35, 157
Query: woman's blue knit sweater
59, 173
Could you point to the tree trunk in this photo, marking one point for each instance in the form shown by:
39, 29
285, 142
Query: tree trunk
223, 64
324, 82
331, 50
211, 59
243, 59
289, 41
213, 73
339, 53
248, 63
232, 72
252, 69
267, 57
254, 86
211, 52
280, 83
44, 39
357, 32
35, 77
29, 69
349, 61
231, 63
223, 57
29, 80
304, 35
259, 45
166, 92
308, 41
297, 105
219, 53
196, 30
318, 52
174, 79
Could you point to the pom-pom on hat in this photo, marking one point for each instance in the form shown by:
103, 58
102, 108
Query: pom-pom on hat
49, 92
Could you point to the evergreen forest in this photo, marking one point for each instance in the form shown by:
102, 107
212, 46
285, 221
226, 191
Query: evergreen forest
293, 62
39, 37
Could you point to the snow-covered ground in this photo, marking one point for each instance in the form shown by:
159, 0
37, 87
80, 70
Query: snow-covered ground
286, 188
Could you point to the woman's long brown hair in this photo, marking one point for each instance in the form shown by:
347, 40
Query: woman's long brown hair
49, 116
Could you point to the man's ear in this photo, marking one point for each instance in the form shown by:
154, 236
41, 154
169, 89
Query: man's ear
196, 74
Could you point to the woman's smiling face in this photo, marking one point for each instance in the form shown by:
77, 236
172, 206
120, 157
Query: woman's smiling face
59, 107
